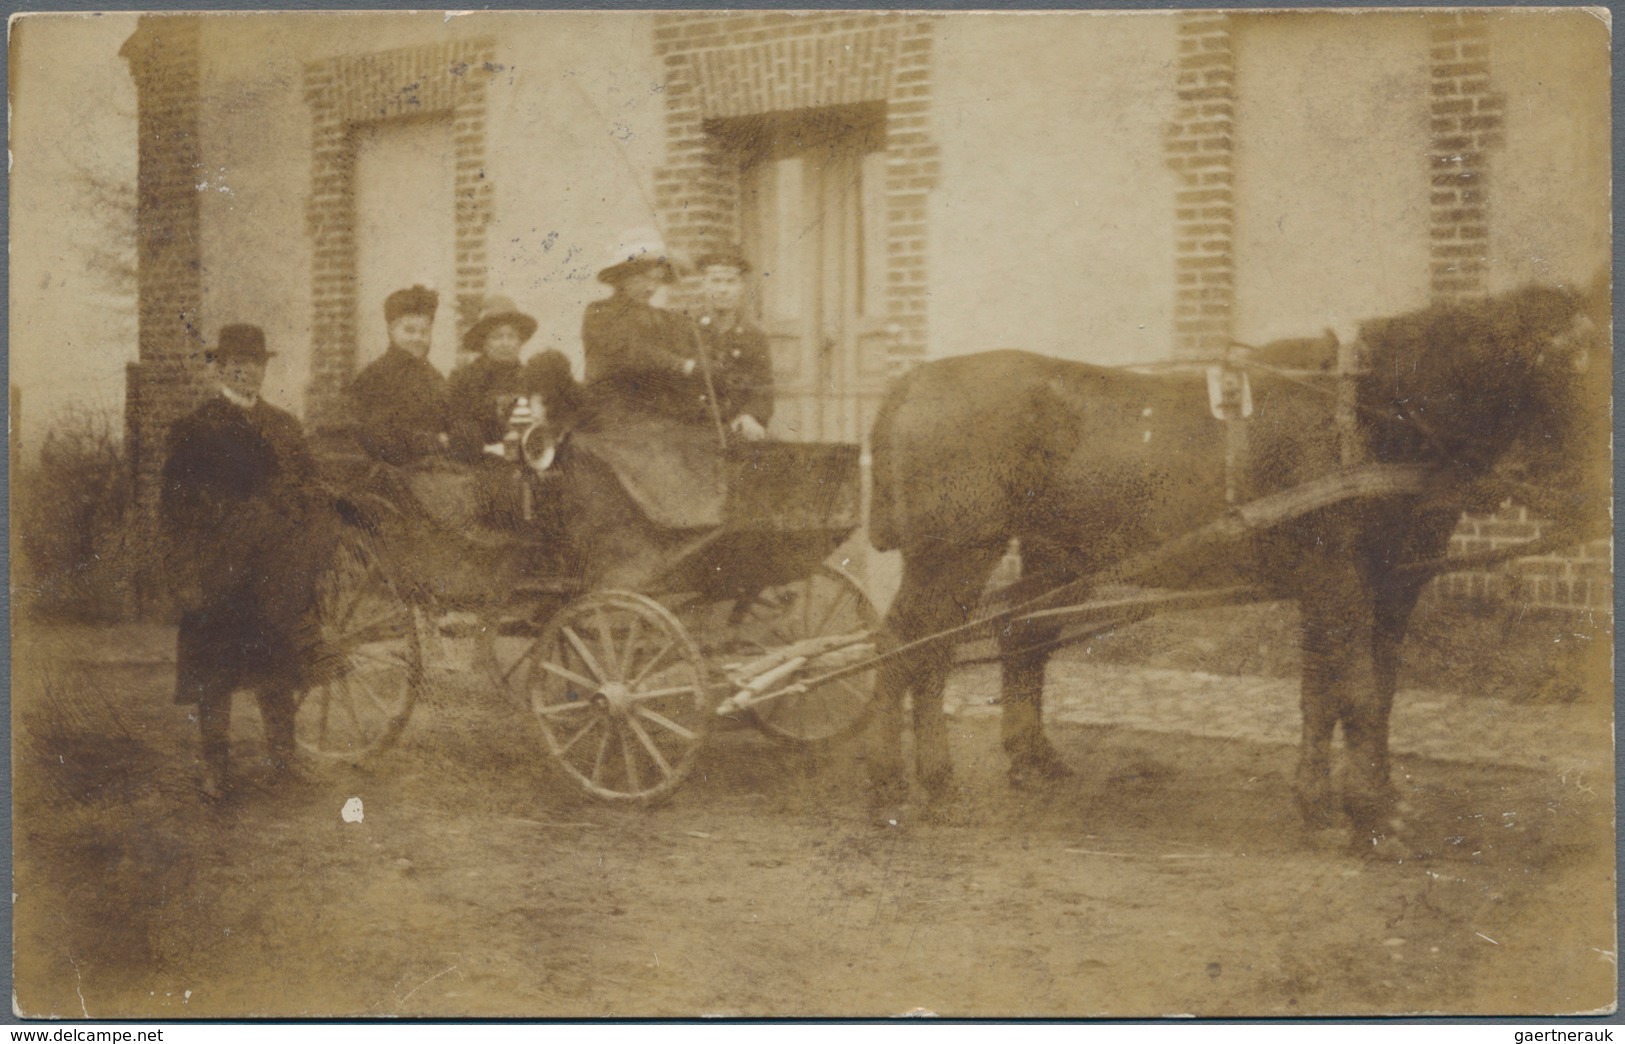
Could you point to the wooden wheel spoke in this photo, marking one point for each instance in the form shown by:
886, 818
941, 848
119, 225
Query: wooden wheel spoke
554, 710
633, 633
570, 676
612, 655
782, 638
385, 627
367, 590
353, 597
852, 690
530, 650
586, 655
377, 701
633, 781
393, 664
649, 667
840, 603
667, 724
660, 694
592, 723
603, 751
649, 745
322, 704
348, 703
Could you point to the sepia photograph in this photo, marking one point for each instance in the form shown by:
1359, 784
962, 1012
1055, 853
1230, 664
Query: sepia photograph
812, 514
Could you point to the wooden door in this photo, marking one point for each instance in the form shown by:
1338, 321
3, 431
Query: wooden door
813, 213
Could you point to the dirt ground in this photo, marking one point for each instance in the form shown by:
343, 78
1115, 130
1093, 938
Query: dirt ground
1171, 876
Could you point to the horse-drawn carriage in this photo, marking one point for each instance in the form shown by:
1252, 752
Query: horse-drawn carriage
1344, 501
623, 636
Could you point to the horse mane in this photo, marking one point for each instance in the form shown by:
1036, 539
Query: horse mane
1465, 370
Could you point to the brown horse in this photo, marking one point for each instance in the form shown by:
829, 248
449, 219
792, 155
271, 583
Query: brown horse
1089, 466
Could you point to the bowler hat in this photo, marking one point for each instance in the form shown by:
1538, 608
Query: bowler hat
638, 251
724, 258
414, 300
239, 342
495, 312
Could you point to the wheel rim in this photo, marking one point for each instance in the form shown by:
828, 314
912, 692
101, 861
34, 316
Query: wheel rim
619, 689
369, 665
827, 603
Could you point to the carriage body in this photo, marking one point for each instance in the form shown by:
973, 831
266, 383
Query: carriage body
622, 635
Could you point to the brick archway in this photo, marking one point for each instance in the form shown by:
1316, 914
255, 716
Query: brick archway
350, 92
726, 66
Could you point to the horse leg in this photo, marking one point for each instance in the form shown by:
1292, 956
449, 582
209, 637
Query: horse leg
888, 777
1368, 792
1023, 660
1337, 643
939, 592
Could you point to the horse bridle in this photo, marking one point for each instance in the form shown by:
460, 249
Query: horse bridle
1453, 454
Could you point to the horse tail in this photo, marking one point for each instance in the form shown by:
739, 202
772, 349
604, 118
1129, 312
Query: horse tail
886, 524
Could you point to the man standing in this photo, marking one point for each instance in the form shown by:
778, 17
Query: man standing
400, 399
736, 352
249, 537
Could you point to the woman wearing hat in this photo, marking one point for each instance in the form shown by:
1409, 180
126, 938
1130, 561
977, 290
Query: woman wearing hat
483, 393
640, 357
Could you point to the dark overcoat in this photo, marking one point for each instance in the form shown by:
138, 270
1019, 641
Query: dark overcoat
741, 367
249, 533
636, 355
399, 407
480, 399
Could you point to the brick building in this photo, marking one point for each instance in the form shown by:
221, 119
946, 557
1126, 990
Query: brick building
1114, 188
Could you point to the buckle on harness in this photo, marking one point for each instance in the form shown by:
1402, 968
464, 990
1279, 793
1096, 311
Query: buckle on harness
1229, 393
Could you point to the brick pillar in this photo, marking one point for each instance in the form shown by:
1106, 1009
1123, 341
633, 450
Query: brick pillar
167, 379
1466, 125
1200, 146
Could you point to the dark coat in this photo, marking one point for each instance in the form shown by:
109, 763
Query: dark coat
741, 368
636, 354
249, 532
479, 400
399, 405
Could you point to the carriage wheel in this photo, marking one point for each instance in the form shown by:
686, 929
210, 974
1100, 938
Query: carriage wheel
369, 668
825, 604
619, 689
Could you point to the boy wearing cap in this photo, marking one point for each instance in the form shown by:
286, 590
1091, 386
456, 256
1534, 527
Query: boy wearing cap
249, 538
737, 353
400, 399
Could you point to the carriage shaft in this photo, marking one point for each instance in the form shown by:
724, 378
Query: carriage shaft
1371, 482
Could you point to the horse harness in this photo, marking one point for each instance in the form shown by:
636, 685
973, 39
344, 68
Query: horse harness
1230, 400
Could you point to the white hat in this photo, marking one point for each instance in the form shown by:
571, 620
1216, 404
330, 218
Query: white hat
637, 251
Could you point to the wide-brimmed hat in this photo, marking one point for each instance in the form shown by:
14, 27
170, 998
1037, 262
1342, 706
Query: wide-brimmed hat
414, 300
726, 258
638, 251
493, 313
239, 342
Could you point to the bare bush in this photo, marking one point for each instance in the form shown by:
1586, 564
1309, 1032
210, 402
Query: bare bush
73, 522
